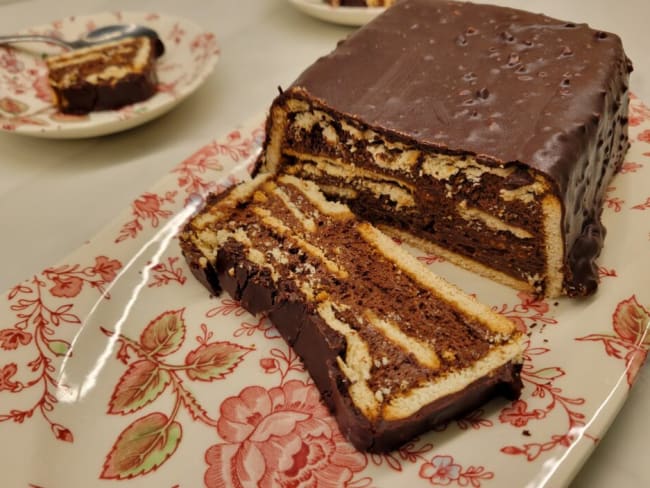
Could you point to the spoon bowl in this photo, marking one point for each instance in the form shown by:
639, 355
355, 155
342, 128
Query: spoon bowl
101, 35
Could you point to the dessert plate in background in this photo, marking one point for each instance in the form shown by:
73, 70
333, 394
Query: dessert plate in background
25, 100
354, 16
117, 368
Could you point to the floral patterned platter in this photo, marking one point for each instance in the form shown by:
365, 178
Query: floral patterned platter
26, 101
353, 16
118, 369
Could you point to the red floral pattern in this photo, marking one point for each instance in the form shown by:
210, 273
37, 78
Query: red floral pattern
614, 203
638, 112
69, 280
629, 167
196, 175
167, 272
644, 136
148, 207
528, 314
412, 452
6, 374
41, 87
282, 363
431, 259
228, 306
13, 338
18, 80
282, 436
26, 101
9, 62
643, 206
262, 325
604, 272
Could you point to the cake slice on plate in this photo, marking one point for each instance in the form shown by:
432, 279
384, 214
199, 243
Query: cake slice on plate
393, 348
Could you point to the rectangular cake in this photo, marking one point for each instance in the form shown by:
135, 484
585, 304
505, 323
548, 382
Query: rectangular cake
104, 77
484, 134
393, 349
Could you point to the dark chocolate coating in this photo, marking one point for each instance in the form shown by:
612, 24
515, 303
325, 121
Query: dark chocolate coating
504, 85
350, 3
319, 346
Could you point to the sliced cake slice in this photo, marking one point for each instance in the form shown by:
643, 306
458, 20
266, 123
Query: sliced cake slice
393, 348
485, 134
104, 77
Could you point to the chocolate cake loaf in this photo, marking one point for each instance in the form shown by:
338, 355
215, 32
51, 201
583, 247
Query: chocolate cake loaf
104, 77
484, 134
393, 349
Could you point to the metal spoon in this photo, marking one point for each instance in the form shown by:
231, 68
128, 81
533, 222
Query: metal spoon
100, 35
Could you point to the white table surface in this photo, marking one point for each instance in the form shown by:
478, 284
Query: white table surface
55, 195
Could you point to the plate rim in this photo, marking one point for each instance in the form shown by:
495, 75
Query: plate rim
348, 16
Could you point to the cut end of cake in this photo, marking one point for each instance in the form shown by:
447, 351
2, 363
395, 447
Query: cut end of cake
104, 77
499, 164
393, 348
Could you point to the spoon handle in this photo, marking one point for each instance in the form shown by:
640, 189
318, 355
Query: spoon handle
11, 39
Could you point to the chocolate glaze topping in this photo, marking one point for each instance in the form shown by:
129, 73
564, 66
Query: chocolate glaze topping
506, 85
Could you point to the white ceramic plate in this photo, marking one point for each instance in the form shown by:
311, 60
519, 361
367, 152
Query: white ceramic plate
25, 101
116, 364
354, 16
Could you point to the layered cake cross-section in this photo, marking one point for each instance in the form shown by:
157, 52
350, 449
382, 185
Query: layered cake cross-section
104, 77
360, 3
393, 349
484, 134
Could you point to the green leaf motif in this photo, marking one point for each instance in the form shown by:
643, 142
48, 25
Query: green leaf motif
140, 385
213, 361
164, 334
142, 447
58, 347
